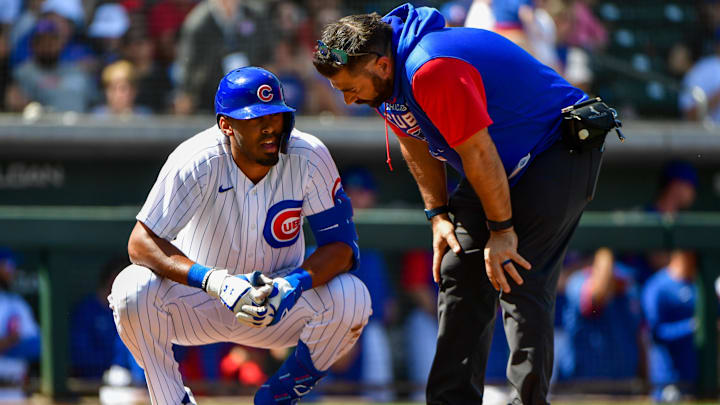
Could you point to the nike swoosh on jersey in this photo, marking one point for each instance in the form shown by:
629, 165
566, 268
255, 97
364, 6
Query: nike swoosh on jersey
222, 190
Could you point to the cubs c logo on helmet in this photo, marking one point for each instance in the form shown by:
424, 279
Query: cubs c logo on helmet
265, 93
283, 224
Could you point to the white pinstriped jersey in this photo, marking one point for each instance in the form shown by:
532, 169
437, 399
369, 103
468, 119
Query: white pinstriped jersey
216, 216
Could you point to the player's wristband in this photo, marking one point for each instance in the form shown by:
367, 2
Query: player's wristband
299, 278
443, 209
197, 275
497, 226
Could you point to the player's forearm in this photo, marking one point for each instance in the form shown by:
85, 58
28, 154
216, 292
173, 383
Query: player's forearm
429, 173
328, 261
151, 251
670, 331
486, 173
602, 280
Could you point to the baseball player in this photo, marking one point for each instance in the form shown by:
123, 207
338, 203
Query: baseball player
218, 249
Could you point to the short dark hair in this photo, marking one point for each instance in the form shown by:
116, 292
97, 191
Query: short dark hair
363, 34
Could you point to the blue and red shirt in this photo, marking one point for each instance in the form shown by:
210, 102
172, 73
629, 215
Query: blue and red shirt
451, 83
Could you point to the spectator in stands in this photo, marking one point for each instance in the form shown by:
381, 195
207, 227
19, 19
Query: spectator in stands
700, 96
496, 391
669, 303
96, 351
152, 78
709, 13
602, 320
584, 29
287, 19
676, 192
421, 328
55, 84
92, 328
373, 366
542, 34
245, 365
480, 15
216, 37
164, 21
120, 84
108, 26
10, 12
455, 12
319, 13
68, 15
579, 34
677, 188
421, 325
679, 60
511, 19
525, 22
292, 70
201, 363
19, 334
5, 75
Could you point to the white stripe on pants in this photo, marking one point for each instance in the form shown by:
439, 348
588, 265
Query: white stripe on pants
152, 313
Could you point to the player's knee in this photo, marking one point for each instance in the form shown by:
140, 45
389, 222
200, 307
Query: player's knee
128, 293
351, 302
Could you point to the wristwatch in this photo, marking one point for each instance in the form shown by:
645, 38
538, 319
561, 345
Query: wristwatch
497, 226
443, 209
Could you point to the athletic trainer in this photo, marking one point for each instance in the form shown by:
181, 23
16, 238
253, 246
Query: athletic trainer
474, 100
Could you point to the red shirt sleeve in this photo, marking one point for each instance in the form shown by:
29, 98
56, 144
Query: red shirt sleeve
452, 94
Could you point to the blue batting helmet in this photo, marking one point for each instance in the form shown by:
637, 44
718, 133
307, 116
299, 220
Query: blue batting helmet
252, 92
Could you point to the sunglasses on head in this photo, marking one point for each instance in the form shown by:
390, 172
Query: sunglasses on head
338, 56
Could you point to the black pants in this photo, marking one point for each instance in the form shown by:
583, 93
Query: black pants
547, 203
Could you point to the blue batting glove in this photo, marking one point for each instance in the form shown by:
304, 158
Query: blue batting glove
286, 291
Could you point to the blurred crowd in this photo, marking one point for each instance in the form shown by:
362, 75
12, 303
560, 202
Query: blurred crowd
137, 57
623, 320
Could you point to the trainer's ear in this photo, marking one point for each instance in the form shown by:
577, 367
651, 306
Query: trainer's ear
383, 64
224, 125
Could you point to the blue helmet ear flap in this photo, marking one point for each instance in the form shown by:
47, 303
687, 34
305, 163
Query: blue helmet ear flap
288, 125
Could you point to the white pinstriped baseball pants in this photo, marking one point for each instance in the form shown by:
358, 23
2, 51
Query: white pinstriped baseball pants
152, 313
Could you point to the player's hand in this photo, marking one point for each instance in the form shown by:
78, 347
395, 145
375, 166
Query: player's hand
285, 293
500, 257
443, 236
244, 294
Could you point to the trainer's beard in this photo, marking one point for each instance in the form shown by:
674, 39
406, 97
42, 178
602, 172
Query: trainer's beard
384, 89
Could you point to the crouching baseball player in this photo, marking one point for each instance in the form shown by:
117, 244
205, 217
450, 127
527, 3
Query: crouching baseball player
218, 249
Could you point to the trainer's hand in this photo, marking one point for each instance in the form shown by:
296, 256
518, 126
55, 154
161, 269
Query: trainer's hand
244, 294
443, 236
502, 248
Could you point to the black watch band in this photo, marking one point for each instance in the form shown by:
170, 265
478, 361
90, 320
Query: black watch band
497, 226
443, 209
